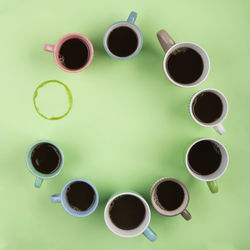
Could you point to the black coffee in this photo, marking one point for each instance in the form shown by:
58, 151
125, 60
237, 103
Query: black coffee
204, 157
170, 195
74, 54
127, 212
207, 107
80, 196
46, 158
185, 65
122, 41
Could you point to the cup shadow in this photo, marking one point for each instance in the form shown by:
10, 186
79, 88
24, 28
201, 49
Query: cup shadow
149, 60
43, 59
97, 41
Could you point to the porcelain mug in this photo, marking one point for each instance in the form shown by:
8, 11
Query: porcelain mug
217, 125
169, 47
143, 228
40, 176
55, 49
130, 23
211, 178
181, 209
61, 198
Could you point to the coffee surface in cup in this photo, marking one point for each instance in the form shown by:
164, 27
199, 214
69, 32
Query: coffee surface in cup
127, 212
80, 196
204, 157
74, 54
170, 195
46, 158
122, 41
207, 107
185, 65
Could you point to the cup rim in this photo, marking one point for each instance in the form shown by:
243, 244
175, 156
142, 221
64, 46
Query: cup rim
66, 37
183, 205
33, 170
134, 28
73, 212
218, 121
106, 215
171, 79
206, 177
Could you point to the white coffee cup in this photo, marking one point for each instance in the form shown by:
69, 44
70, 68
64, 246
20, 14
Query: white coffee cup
217, 125
169, 46
143, 228
211, 178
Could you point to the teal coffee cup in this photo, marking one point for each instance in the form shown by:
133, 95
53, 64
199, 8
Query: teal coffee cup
45, 160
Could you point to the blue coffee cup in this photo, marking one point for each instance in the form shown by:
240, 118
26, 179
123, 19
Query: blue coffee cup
123, 40
62, 198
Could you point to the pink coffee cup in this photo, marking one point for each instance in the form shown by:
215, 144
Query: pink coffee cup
55, 49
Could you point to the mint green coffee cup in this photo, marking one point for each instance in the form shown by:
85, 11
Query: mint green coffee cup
40, 173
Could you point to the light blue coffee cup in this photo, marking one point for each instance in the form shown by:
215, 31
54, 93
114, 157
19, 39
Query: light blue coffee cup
130, 23
40, 176
143, 228
61, 198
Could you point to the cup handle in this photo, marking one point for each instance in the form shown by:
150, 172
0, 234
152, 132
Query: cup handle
150, 234
132, 17
38, 182
49, 47
213, 186
186, 215
220, 129
165, 40
56, 198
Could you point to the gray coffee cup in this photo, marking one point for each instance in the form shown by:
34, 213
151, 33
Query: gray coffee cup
181, 205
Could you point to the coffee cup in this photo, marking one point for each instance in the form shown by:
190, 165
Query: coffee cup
123, 40
209, 108
79, 197
72, 53
45, 160
127, 214
207, 160
185, 64
170, 197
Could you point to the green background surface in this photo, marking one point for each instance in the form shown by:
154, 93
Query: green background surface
128, 126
